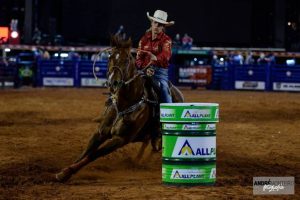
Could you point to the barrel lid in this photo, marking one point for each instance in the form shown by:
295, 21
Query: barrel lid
189, 104
189, 112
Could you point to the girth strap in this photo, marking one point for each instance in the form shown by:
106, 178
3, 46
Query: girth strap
131, 108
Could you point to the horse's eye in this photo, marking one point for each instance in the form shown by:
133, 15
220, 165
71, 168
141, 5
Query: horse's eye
115, 83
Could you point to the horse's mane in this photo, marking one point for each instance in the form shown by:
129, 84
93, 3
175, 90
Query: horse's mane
117, 42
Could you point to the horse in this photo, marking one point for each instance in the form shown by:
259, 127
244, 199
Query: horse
129, 114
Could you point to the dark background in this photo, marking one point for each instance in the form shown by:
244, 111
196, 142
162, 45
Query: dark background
236, 23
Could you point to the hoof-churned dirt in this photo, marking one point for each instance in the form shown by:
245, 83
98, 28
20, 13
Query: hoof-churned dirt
43, 130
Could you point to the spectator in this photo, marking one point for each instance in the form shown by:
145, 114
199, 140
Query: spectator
228, 58
46, 55
249, 58
95, 57
215, 60
262, 60
187, 41
37, 36
73, 55
237, 58
177, 41
85, 56
4, 61
271, 58
37, 52
104, 56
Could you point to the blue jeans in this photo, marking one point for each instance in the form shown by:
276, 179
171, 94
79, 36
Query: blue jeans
161, 76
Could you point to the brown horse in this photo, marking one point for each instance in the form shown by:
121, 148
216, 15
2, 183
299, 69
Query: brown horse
129, 115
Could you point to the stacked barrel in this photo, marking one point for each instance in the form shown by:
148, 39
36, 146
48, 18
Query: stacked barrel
189, 143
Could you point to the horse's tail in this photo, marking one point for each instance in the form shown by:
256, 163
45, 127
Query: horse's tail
176, 94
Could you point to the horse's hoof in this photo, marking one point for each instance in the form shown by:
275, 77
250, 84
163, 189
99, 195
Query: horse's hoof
64, 175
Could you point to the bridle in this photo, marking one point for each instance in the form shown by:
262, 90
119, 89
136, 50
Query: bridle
119, 84
139, 72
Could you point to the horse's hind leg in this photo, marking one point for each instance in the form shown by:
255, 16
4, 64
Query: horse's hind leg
141, 151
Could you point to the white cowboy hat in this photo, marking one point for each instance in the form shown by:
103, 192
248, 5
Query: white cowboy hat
160, 17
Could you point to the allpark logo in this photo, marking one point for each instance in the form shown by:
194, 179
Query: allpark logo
187, 174
187, 150
196, 114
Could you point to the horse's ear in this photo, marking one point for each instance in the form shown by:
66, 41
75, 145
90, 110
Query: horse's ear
127, 43
113, 40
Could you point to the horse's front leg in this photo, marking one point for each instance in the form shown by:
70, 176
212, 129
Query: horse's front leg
110, 142
95, 141
103, 133
109, 146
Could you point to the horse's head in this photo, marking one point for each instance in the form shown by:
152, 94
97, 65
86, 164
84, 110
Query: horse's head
120, 65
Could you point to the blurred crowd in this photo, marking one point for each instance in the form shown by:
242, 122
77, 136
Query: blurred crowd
185, 42
246, 58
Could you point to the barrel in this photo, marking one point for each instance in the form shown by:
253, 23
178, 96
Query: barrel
189, 143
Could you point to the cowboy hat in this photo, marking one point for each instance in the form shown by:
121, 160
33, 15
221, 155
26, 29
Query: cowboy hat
160, 17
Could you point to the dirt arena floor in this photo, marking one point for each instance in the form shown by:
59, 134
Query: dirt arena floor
43, 130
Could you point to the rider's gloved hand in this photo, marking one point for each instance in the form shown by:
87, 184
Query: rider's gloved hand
150, 71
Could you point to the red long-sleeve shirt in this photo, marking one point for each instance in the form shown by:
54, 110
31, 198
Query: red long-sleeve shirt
160, 47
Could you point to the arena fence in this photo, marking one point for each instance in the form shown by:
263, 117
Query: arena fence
70, 73
86, 77
258, 77
8, 75
231, 77
57, 73
76, 73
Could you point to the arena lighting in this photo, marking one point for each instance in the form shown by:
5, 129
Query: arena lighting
7, 50
4, 33
289, 23
290, 62
64, 55
14, 34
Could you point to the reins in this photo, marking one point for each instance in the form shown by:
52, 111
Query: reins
137, 74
